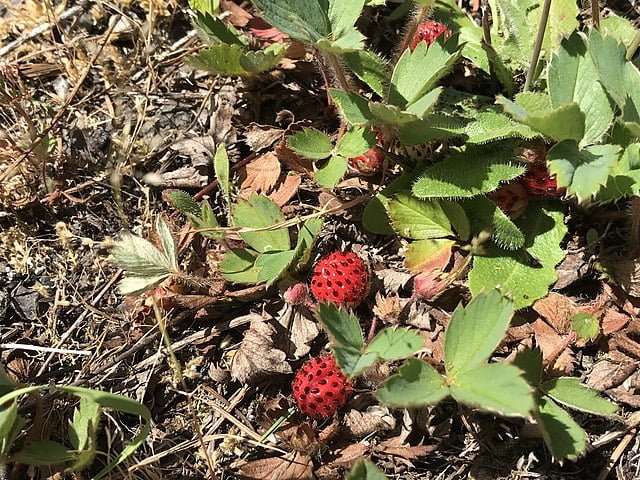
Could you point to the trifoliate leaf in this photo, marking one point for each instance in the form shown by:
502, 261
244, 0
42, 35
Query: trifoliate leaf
564, 437
395, 344
331, 172
355, 142
354, 108
370, 68
238, 266
343, 327
259, 212
305, 20
418, 219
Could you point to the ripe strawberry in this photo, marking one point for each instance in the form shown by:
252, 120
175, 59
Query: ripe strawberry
320, 387
369, 162
512, 198
427, 32
538, 181
340, 277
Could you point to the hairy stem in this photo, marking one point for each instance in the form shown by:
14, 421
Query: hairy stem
635, 43
338, 71
413, 26
538, 46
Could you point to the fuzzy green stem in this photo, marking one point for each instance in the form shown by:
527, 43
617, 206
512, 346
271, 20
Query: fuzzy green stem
338, 71
635, 43
595, 13
486, 28
538, 46
413, 26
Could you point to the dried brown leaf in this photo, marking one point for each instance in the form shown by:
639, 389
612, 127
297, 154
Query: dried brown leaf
611, 371
373, 420
614, 321
293, 466
394, 446
261, 175
257, 357
286, 189
261, 138
549, 342
237, 15
297, 333
557, 310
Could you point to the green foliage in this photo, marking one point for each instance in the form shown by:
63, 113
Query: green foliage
472, 334
468, 172
144, 264
234, 59
370, 68
418, 219
487, 217
82, 432
585, 325
525, 274
366, 470
352, 355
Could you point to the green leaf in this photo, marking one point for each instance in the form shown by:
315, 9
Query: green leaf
209, 7
582, 172
306, 238
370, 68
418, 72
43, 452
497, 387
311, 143
530, 362
564, 437
8, 419
421, 253
416, 384
262, 60
183, 202
390, 114
366, 470
217, 31
585, 325
305, 20
375, 217
259, 212
238, 266
355, 142
619, 28
206, 220
566, 122
624, 176
83, 431
619, 77
351, 361
488, 217
220, 59
489, 126
571, 393
418, 219
343, 327
458, 218
343, 15
515, 272
354, 108
395, 344
467, 173
475, 331
273, 265
573, 78
330, 173
221, 169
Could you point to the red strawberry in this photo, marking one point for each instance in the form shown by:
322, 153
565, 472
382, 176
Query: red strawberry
427, 32
538, 181
369, 162
512, 198
340, 277
320, 387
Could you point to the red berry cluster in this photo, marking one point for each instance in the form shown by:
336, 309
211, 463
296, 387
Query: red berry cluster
320, 387
369, 162
538, 181
428, 32
341, 278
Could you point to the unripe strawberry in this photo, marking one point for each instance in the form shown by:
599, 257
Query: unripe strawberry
296, 294
539, 182
320, 387
369, 162
341, 278
427, 32
511, 198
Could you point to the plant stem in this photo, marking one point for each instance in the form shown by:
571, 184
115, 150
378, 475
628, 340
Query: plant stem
595, 13
538, 46
338, 71
635, 43
413, 26
486, 28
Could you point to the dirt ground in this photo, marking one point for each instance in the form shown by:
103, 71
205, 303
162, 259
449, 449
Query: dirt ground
99, 115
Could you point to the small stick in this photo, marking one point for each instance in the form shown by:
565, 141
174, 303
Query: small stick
36, 348
538, 46
595, 13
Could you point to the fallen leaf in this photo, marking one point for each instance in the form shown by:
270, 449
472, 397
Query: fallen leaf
389, 308
614, 321
293, 466
298, 331
611, 371
257, 358
200, 150
259, 137
261, 175
286, 189
236, 15
292, 160
570, 270
373, 420
549, 342
350, 454
395, 447
558, 310
393, 280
